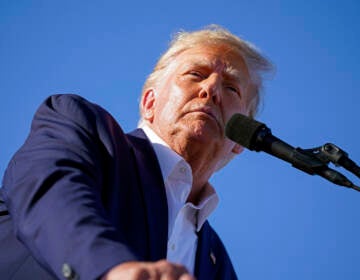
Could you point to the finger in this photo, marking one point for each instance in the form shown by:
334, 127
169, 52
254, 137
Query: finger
171, 271
177, 275
187, 277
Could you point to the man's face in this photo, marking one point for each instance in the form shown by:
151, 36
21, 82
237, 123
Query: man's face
202, 88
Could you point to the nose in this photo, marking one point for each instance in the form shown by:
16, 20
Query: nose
211, 89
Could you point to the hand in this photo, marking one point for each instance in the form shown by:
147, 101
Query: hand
160, 270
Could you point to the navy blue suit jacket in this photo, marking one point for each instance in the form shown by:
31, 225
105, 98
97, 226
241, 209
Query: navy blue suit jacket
82, 193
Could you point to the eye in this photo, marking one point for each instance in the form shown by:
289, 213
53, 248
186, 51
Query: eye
196, 74
233, 89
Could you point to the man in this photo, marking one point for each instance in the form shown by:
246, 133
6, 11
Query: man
88, 201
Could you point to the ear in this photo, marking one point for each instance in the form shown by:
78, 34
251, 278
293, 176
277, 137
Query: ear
148, 105
237, 149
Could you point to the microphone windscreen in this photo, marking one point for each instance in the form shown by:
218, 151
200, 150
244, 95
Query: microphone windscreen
242, 130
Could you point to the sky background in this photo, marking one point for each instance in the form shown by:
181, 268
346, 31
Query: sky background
275, 221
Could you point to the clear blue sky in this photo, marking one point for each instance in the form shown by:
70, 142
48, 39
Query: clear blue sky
276, 222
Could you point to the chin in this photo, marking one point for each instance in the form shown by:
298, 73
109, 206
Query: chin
205, 135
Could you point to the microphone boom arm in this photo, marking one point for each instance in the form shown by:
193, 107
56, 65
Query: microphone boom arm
326, 154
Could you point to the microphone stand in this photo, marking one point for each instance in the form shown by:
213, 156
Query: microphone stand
317, 160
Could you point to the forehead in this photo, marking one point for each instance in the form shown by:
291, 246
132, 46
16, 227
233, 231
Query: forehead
221, 58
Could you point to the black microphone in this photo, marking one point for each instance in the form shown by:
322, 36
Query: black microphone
256, 136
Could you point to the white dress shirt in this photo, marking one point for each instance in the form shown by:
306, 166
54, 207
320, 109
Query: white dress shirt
185, 218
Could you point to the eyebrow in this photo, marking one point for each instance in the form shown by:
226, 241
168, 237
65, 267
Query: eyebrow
235, 74
231, 73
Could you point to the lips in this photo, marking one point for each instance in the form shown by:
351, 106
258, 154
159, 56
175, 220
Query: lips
208, 111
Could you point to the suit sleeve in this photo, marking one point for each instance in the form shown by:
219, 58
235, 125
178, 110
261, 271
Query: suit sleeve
52, 187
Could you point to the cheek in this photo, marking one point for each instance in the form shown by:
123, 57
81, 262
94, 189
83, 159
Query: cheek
232, 106
170, 102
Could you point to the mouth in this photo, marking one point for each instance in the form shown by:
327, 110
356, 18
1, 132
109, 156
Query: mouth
208, 112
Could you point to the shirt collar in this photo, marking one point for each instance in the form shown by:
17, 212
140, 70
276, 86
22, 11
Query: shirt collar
169, 161
208, 202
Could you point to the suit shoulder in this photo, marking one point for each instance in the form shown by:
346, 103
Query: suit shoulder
77, 110
69, 104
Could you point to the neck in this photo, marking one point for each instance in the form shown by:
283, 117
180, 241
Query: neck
202, 162
200, 153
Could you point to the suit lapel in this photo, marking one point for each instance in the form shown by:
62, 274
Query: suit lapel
153, 189
206, 259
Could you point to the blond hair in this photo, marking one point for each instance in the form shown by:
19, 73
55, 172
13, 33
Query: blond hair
256, 63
